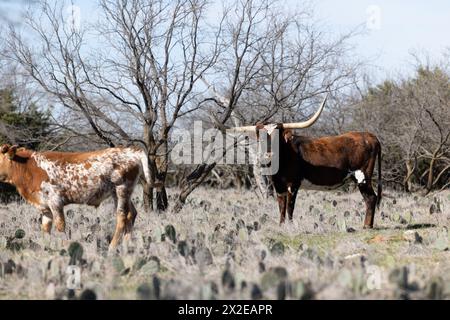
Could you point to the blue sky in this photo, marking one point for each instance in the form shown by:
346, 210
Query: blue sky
403, 26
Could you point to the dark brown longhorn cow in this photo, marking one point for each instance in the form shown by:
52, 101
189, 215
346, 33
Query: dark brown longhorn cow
325, 162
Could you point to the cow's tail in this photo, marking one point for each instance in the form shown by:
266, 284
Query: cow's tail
144, 163
379, 190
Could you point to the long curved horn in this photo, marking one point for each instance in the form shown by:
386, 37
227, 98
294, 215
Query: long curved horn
307, 123
294, 125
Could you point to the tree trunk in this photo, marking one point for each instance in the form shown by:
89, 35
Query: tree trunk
409, 172
182, 199
192, 182
147, 194
162, 165
161, 199
237, 180
430, 175
270, 188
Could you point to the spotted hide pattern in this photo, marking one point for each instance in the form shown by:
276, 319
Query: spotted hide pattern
51, 180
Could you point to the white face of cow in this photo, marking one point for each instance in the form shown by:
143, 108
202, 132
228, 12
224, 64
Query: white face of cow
271, 133
268, 140
264, 142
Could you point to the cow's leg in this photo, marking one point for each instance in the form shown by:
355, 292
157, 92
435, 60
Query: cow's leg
131, 217
291, 196
121, 221
370, 198
132, 214
365, 187
47, 221
58, 217
282, 199
114, 197
123, 205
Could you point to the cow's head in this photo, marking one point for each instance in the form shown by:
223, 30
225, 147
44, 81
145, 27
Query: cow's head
282, 130
7, 155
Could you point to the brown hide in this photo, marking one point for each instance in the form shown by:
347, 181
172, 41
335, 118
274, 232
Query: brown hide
26, 176
325, 161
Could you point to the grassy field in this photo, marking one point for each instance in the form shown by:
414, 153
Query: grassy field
227, 244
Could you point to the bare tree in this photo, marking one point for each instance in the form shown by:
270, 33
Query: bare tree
130, 77
241, 39
429, 97
274, 66
410, 116
145, 72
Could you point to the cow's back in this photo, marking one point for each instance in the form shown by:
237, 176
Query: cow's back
88, 177
346, 151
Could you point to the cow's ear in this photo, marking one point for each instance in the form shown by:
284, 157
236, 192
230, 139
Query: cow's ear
287, 135
12, 152
4, 148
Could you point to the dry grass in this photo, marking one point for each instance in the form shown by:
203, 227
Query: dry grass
326, 252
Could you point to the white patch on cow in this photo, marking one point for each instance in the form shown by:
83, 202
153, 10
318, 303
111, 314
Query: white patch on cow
359, 176
46, 220
270, 128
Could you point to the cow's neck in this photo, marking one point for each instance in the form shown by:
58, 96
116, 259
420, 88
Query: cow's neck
27, 176
286, 157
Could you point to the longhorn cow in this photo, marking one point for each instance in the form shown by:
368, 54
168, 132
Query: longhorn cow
52, 180
323, 162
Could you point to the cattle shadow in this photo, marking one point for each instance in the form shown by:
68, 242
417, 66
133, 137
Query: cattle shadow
412, 226
416, 226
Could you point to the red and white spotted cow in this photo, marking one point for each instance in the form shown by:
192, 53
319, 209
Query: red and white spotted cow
51, 180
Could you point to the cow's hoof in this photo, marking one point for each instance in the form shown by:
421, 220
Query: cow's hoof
127, 237
368, 227
112, 251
